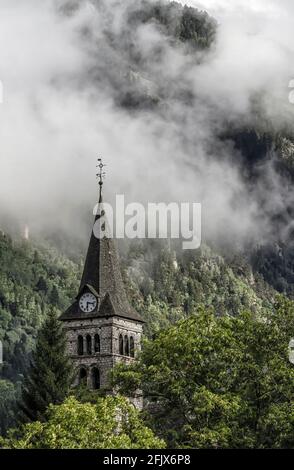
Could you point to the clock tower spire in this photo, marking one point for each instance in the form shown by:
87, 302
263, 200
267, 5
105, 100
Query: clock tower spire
102, 327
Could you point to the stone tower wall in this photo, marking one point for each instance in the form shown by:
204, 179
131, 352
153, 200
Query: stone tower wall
109, 330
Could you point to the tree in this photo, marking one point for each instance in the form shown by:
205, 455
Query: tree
219, 382
111, 423
7, 405
54, 296
42, 285
50, 375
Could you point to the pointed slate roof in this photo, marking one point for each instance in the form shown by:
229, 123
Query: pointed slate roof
102, 276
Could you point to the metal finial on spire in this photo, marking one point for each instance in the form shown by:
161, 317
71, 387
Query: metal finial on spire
100, 176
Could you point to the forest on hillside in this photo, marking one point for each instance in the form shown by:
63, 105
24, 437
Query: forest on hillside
163, 286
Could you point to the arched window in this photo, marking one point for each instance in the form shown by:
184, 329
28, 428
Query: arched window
132, 347
97, 344
121, 345
89, 344
127, 349
80, 345
95, 378
83, 376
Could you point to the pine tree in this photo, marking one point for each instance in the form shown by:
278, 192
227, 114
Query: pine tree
42, 285
50, 375
54, 296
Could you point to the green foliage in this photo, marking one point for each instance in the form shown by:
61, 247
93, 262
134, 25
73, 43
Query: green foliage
50, 375
171, 285
30, 280
85, 395
7, 405
54, 296
28, 275
165, 288
111, 423
219, 382
276, 263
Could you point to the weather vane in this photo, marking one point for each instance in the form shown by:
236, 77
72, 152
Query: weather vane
100, 176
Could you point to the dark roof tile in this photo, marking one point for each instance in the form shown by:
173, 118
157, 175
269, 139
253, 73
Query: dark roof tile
102, 276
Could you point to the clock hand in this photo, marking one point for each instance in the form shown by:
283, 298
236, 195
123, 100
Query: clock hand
90, 303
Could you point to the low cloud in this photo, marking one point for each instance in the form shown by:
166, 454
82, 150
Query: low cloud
64, 74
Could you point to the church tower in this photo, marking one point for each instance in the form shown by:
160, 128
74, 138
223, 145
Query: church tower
102, 328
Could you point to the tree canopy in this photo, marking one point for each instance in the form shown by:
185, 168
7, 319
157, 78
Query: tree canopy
219, 382
111, 423
50, 375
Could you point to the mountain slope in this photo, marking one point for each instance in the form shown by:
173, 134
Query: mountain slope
162, 286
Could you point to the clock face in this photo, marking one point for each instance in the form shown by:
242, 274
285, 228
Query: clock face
88, 302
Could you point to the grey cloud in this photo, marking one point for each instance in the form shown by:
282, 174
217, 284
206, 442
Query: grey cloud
63, 77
